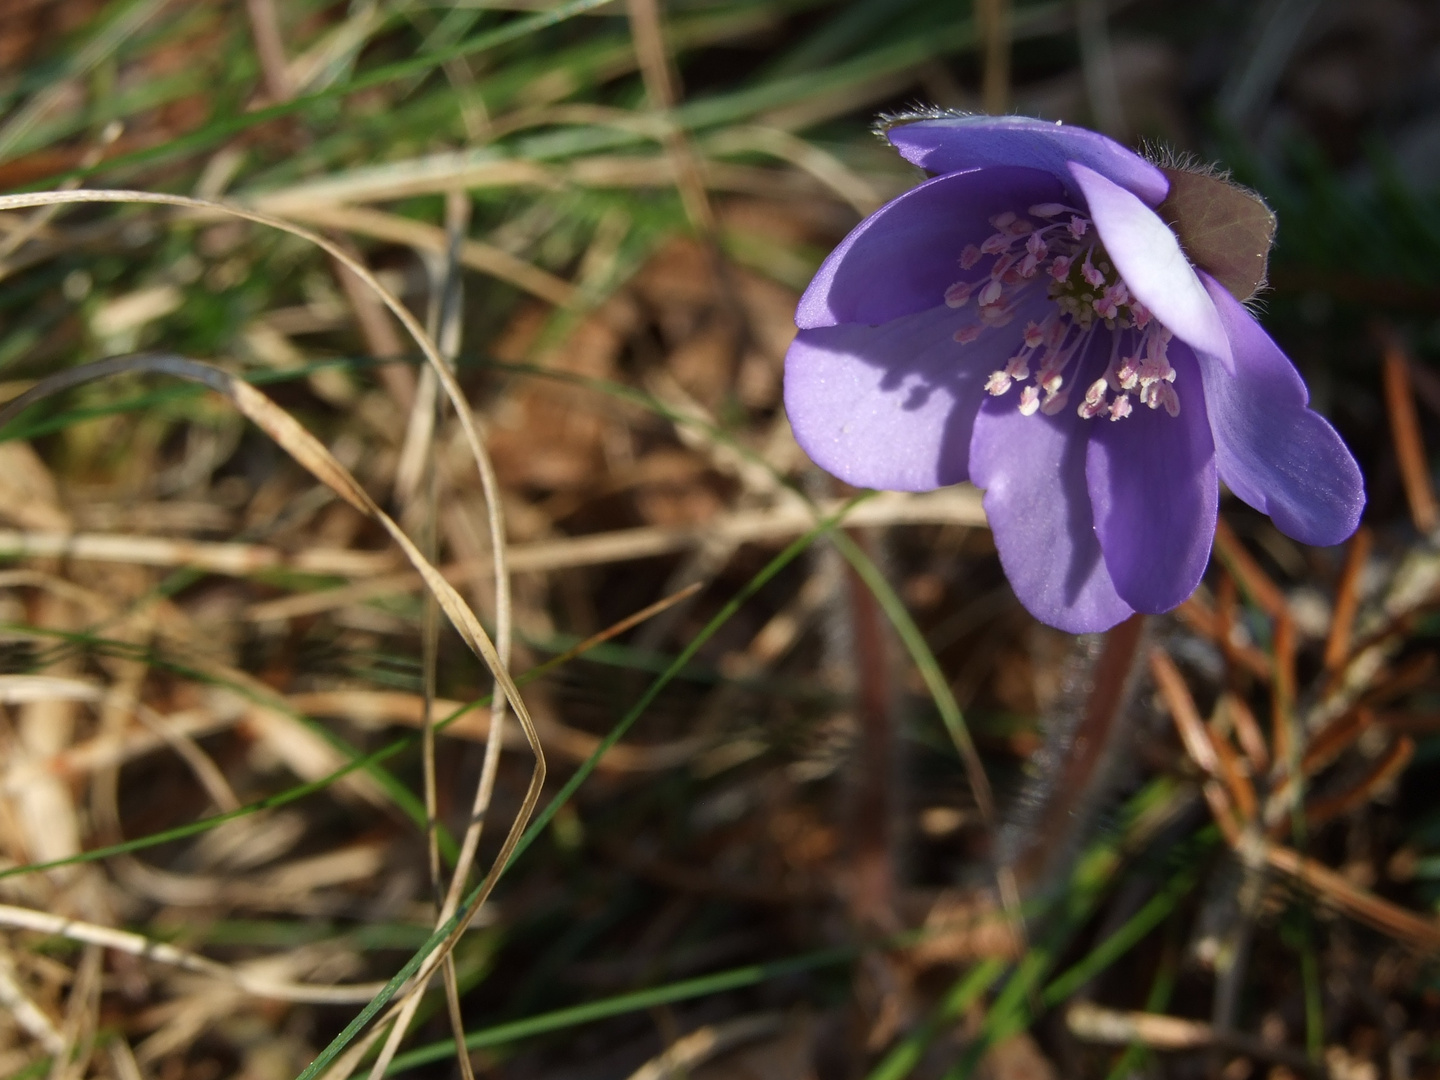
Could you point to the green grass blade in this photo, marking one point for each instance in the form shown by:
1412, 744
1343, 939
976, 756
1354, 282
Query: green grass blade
906, 1054
684, 990
1130, 934
220, 130
929, 668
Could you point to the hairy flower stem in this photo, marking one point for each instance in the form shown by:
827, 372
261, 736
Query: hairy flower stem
1075, 763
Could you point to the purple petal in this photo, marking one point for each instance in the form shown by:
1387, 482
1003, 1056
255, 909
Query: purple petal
903, 257
967, 142
1155, 495
1033, 471
1273, 452
891, 406
1154, 268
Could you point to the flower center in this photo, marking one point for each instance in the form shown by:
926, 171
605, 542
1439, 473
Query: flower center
1057, 246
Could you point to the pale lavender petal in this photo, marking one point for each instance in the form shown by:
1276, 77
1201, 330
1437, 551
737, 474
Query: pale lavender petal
1274, 453
1150, 260
951, 144
903, 257
892, 406
1155, 495
1033, 471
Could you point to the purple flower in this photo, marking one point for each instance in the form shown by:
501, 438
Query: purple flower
1026, 320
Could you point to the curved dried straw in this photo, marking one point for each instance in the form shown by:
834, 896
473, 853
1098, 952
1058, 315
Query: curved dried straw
313, 455
138, 945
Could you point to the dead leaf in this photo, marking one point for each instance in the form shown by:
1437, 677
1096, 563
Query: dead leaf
1225, 229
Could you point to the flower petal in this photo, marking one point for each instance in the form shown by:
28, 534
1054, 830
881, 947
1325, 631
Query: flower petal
1273, 452
891, 406
1033, 471
1155, 495
1154, 268
953, 143
903, 257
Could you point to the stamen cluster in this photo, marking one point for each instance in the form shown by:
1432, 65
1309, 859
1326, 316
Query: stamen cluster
1056, 246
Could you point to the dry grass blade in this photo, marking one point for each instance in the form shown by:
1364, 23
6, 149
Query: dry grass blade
309, 452
1093, 1023
823, 166
959, 505
29, 1016
444, 319
702, 1044
212, 557
138, 945
482, 257
81, 1018
234, 720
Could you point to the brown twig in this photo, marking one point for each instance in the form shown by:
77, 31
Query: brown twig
1283, 724
1405, 431
1256, 583
1347, 600
1255, 850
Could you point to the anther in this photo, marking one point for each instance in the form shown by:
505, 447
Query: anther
997, 384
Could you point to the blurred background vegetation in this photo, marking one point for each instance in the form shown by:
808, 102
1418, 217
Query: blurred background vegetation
863, 817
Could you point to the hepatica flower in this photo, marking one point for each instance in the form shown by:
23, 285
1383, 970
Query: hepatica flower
1061, 322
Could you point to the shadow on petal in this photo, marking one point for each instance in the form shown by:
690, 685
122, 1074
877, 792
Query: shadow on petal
892, 406
1155, 494
1033, 472
902, 258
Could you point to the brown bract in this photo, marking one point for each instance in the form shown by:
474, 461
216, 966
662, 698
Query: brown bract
1225, 229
